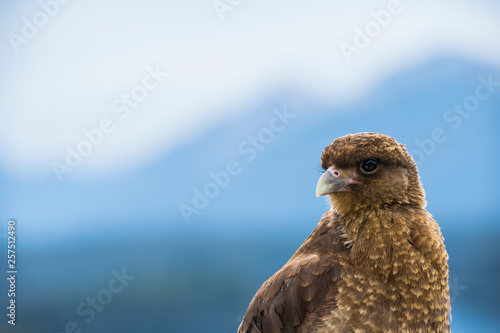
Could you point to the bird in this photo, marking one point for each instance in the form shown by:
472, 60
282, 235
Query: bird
376, 262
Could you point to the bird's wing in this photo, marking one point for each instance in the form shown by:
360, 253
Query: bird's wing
297, 289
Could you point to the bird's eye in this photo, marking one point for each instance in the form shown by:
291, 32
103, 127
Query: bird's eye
369, 165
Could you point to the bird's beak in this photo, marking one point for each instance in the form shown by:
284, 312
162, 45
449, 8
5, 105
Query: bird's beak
333, 181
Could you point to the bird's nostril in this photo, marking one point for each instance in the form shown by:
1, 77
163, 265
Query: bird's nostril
336, 173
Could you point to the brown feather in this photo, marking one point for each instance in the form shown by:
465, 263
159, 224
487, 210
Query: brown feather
376, 262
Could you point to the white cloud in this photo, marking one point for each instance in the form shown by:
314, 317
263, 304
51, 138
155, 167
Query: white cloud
65, 79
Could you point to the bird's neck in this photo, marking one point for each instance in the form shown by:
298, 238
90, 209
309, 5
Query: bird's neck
375, 220
374, 236
353, 203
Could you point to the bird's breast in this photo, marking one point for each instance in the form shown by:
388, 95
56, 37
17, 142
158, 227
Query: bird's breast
385, 289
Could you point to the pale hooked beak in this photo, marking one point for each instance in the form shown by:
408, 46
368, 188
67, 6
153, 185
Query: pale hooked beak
333, 181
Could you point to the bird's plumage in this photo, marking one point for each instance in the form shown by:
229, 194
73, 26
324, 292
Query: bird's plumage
376, 262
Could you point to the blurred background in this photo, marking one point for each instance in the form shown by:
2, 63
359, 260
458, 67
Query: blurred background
160, 158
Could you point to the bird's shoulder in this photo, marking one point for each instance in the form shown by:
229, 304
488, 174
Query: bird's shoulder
306, 282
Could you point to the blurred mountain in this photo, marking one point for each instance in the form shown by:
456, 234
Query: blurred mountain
257, 174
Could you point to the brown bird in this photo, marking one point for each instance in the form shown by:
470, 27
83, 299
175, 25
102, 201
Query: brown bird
376, 262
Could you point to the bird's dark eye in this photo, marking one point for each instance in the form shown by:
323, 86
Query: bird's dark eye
369, 165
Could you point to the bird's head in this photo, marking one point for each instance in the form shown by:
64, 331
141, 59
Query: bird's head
369, 170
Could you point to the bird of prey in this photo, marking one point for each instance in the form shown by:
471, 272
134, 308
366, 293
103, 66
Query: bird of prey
376, 262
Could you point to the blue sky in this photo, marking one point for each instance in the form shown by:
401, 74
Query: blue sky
66, 78
115, 115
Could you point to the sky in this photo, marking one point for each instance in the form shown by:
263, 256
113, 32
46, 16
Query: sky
213, 63
115, 116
